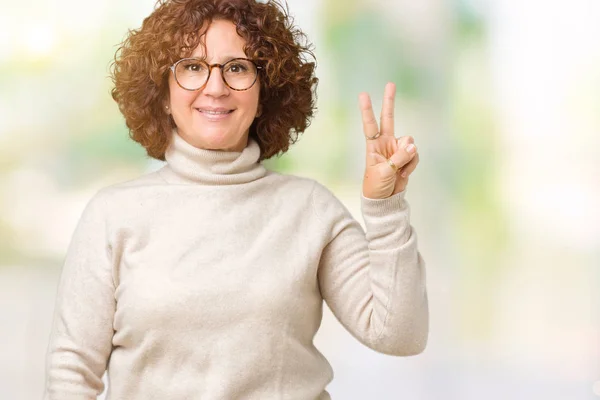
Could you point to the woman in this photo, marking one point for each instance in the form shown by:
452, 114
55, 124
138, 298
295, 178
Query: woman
206, 278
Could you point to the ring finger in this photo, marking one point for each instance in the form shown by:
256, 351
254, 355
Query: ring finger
410, 167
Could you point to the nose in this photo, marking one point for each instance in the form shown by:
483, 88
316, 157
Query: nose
215, 86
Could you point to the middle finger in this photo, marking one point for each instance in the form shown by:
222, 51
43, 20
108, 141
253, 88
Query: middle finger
387, 110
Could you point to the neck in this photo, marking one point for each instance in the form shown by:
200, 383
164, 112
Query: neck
189, 164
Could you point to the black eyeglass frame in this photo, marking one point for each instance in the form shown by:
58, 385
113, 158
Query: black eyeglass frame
210, 68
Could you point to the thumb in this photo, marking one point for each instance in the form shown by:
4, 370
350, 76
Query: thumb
374, 159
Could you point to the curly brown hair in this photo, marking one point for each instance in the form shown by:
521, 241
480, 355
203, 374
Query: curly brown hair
140, 69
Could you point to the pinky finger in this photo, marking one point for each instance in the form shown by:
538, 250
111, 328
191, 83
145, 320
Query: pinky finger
410, 167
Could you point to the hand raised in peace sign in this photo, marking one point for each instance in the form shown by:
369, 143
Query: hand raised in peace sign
390, 160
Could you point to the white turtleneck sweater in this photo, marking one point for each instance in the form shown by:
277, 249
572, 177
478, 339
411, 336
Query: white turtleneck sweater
206, 280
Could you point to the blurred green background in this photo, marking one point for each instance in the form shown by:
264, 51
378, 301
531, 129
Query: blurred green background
503, 100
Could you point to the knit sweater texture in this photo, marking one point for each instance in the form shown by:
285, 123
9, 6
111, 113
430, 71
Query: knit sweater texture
206, 280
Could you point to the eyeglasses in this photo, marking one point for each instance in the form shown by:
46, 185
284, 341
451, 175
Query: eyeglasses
193, 73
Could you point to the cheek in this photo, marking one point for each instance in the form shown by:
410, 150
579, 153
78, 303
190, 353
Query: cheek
253, 101
180, 100
179, 97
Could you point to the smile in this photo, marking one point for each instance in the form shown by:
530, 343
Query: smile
215, 115
215, 112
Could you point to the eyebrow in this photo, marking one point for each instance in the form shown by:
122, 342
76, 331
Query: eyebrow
223, 59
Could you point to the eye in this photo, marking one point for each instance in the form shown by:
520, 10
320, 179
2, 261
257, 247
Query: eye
194, 66
237, 68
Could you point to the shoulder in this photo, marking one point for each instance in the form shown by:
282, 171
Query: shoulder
317, 191
108, 199
128, 187
305, 187
327, 206
306, 191
288, 184
151, 178
315, 196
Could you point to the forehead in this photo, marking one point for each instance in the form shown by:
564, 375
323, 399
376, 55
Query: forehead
219, 41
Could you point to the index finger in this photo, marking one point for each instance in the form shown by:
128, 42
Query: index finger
369, 122
387, 110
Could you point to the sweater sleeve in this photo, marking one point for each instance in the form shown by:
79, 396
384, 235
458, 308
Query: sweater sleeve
82, 329
374, 282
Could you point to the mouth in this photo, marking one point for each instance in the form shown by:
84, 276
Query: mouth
210, 112
217, 114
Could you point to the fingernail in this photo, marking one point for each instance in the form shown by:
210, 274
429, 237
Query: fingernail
403, 174
410, 148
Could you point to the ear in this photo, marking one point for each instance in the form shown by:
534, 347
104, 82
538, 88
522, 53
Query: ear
259, 111
167, 108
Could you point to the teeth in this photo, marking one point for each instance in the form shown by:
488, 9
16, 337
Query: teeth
214, 112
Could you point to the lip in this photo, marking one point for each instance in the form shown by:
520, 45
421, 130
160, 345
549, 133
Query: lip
215, 117
216, 109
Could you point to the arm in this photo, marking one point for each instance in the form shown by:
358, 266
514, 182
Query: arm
81, 337
374, 283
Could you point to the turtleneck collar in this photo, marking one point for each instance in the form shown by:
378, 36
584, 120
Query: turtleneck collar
189, 164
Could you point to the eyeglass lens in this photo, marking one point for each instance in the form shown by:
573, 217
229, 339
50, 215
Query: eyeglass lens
192, 74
